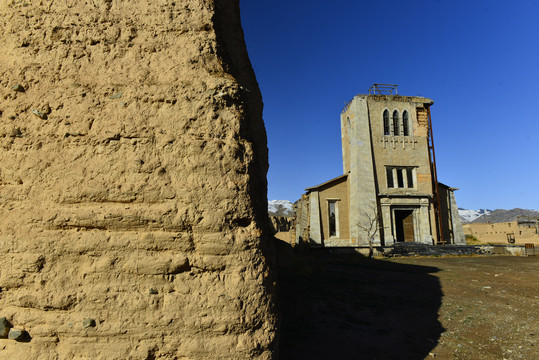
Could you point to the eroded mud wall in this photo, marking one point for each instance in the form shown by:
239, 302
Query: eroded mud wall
133, 166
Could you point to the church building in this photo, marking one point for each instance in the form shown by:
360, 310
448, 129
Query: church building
389, 191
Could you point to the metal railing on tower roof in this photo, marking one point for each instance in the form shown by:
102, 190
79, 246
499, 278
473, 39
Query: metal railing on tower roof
383, 89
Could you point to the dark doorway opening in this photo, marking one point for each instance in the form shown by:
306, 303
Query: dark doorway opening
404, 225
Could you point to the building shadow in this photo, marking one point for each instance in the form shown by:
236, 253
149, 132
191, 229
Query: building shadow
351, 307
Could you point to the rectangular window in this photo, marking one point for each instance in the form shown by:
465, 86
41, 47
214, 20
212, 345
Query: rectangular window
332, 218
389, 173
410, 177
400, 177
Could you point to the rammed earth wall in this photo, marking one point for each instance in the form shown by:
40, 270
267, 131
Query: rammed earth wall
133, 167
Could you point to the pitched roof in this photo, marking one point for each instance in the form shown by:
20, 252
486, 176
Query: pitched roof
327, 182
447, 186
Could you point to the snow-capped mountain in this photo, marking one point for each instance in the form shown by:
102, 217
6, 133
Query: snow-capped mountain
280, 208
467, 216
495, 216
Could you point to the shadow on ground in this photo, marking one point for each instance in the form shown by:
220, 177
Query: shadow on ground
352, 307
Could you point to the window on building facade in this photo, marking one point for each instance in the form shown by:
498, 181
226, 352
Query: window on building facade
389, 174
386, 122
400, 177
410, 177
396, 124
332, 211
405, 124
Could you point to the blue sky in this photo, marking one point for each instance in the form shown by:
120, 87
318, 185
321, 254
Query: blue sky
478, 60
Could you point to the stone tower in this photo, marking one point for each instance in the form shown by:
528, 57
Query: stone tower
132, 182
389, 158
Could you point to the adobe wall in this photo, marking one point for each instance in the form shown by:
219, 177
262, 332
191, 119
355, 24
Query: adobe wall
302, 218
497, 233
280, 223
133, 167
287, 236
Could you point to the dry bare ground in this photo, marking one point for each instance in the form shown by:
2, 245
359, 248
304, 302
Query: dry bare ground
350, 307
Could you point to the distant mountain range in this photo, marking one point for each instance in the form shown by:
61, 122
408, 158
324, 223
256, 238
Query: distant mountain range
286, 208
281, 208
467, 216
494, 216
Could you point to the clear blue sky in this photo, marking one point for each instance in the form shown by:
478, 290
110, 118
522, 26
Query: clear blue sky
478, 61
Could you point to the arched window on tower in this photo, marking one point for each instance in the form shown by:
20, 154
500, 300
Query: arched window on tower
405, 124
396, 125
386, 122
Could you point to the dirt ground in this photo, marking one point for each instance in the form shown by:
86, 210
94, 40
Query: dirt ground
408, 308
